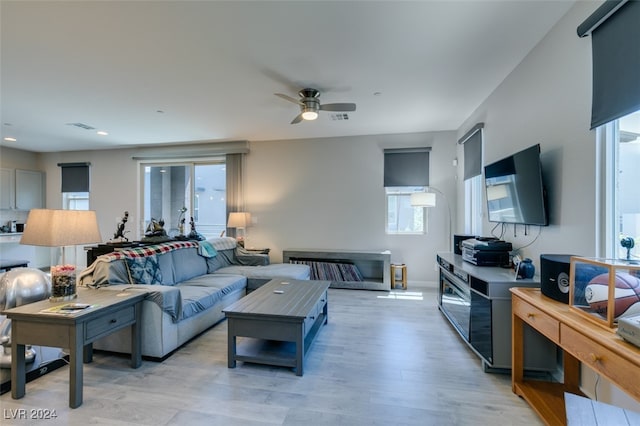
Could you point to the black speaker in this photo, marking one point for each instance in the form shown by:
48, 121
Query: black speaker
554, 276
457, 239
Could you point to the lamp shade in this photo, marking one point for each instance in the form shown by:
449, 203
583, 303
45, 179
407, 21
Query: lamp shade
423, 199
59, 228
239, 220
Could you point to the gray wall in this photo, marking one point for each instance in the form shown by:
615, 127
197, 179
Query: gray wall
547, 100
312, 193
328, 193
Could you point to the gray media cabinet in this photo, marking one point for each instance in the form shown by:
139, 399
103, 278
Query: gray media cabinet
374, 267
477, 302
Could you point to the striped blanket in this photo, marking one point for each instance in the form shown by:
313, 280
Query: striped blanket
148, 250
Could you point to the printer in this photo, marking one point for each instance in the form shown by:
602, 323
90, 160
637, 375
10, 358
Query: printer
486, 251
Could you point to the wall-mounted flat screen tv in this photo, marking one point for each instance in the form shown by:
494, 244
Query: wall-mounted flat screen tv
514, 189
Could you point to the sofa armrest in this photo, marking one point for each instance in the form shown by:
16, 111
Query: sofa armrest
247, 258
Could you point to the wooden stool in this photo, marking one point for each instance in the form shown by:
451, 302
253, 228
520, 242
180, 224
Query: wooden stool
403, 268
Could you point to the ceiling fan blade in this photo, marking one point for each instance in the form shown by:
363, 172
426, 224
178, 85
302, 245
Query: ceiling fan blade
338, 107
289, 98
297, 119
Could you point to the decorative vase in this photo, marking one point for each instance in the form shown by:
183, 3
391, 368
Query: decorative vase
63, 283
526, 269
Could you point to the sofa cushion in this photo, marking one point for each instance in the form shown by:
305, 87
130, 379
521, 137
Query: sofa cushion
144, 270
223, 258
187, 264
276, 270
201, 293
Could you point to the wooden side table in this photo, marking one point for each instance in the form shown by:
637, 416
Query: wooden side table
110, 311
401, 267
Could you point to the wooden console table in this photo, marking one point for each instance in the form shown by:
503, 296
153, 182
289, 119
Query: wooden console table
600, 349
110, 311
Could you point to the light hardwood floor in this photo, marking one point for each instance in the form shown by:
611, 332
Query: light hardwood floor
383, 359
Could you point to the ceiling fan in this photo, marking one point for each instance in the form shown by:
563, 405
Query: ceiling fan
310, 105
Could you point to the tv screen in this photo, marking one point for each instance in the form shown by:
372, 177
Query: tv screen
514, 189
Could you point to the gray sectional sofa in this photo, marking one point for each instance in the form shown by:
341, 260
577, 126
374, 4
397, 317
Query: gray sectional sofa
188, 284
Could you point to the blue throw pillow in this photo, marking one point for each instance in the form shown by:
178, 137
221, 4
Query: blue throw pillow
144, 270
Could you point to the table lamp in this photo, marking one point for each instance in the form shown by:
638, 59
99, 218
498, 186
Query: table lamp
239, 220
61, 228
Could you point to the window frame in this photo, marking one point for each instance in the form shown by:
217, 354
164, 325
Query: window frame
405, 193
191, 164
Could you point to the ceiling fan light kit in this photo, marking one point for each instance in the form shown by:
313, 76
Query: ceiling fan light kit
310, 105
309, 115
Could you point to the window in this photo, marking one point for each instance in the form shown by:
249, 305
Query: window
75, 200
623, 168
402, 217
473, 205
406, 170
199, 187
472, 142
75, 185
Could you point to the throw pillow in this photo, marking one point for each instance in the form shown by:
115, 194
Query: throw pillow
144, 270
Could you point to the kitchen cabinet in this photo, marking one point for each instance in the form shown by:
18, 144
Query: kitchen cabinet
29, 189
7, 189
21, 189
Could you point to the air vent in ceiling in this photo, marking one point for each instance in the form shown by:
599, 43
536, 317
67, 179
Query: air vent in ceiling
81, 126
339, 116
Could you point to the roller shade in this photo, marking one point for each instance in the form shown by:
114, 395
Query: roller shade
615, 31
472, 141
406, 167
75, 177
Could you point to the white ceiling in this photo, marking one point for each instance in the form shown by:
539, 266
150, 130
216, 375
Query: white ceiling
212, 67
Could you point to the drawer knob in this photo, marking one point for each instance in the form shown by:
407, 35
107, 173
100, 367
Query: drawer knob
312, 317
530, 315
113, 321
594, 357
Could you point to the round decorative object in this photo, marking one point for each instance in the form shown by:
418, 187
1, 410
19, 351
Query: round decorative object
526, 269
626, 294
20, 286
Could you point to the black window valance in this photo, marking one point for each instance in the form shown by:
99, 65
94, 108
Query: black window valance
406, 167
615, 31
75, 177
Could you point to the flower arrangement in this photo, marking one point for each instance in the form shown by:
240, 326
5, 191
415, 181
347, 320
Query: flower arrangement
63, 282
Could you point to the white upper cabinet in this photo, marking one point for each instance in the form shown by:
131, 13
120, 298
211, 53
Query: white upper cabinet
21, 189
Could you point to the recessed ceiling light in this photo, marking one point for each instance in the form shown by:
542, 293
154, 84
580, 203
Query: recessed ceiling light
102, 133
10, 139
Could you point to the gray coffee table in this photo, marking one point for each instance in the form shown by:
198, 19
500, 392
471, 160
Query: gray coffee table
280, 311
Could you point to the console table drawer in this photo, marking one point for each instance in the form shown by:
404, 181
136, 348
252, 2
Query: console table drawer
622, 371
107, 323
315, 312
537, 319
